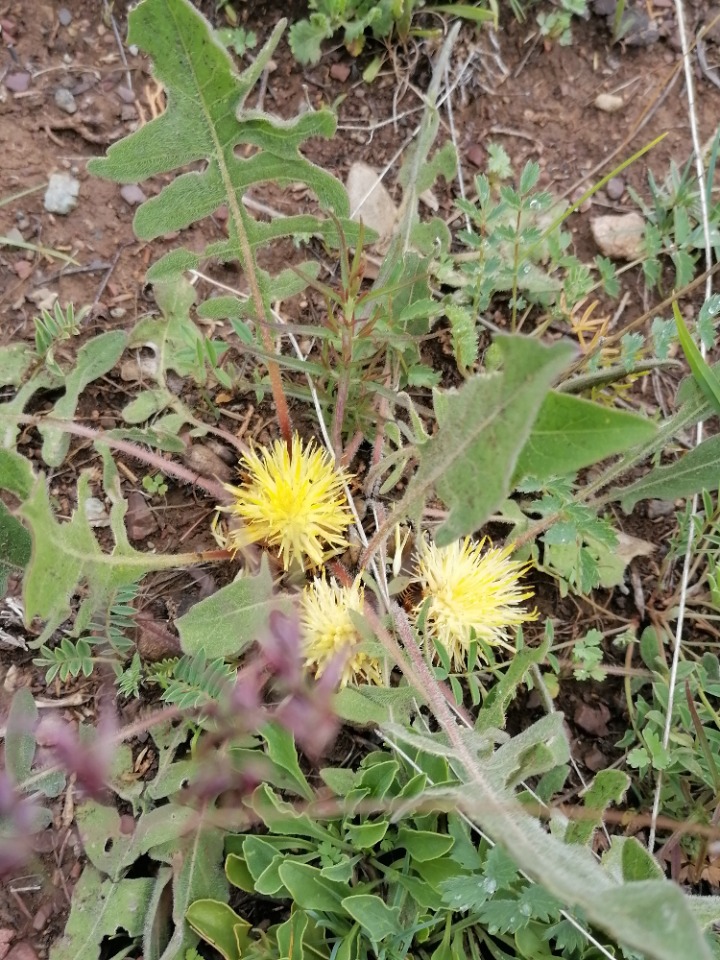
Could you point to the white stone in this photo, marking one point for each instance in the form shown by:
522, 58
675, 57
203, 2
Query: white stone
619, 237
609, 102
61, 194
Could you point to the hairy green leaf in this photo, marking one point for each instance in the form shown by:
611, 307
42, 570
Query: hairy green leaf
208, 119
15, 360
653, 917
99, 909
571, 433
694, 471
228, 622
14, 547
609, 786
482, 428
198, 875
16, 473
20, 735
94, 359
66, 556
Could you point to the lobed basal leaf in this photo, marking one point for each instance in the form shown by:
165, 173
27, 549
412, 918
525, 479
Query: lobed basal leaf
207, 119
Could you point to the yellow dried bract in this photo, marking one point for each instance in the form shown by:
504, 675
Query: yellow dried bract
329, 632
291, 500
470, 590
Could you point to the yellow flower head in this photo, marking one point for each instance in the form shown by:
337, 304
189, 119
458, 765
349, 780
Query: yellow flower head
470, 590
328, 631
292, 500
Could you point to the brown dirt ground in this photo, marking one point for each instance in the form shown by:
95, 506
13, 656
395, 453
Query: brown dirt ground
536, 101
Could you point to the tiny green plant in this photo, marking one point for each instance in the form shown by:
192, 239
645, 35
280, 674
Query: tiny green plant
353, 18
238, 39
155, 484
557, 24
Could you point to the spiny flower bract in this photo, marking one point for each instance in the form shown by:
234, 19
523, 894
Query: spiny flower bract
292, 500
469, 593
329, 632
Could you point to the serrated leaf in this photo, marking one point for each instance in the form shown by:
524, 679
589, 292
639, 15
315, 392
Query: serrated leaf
653, 917
228, 622
571, 433
696, 470
306, 37
464, 335
67, 555
482, 428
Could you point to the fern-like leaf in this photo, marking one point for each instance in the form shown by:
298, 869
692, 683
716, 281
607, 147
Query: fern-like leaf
112, 627
195, 682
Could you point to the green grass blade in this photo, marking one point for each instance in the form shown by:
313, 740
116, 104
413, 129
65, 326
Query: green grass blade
705, 378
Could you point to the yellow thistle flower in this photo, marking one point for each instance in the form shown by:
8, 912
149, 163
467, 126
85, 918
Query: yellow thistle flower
328, 631
292, 500
470, 590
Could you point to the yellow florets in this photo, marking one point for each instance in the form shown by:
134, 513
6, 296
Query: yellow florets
470, 593
328, 631
292, 500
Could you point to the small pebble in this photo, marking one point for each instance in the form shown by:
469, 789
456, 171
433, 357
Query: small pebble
126, 95
17, 82
615, 188
95, 512
65, 100
476, 155
660, 508
61, 194
14, 235
340, 71
22, 951
132, 194
64, 16
609, 102
128, 112
140, 521
619, 237
23, 268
